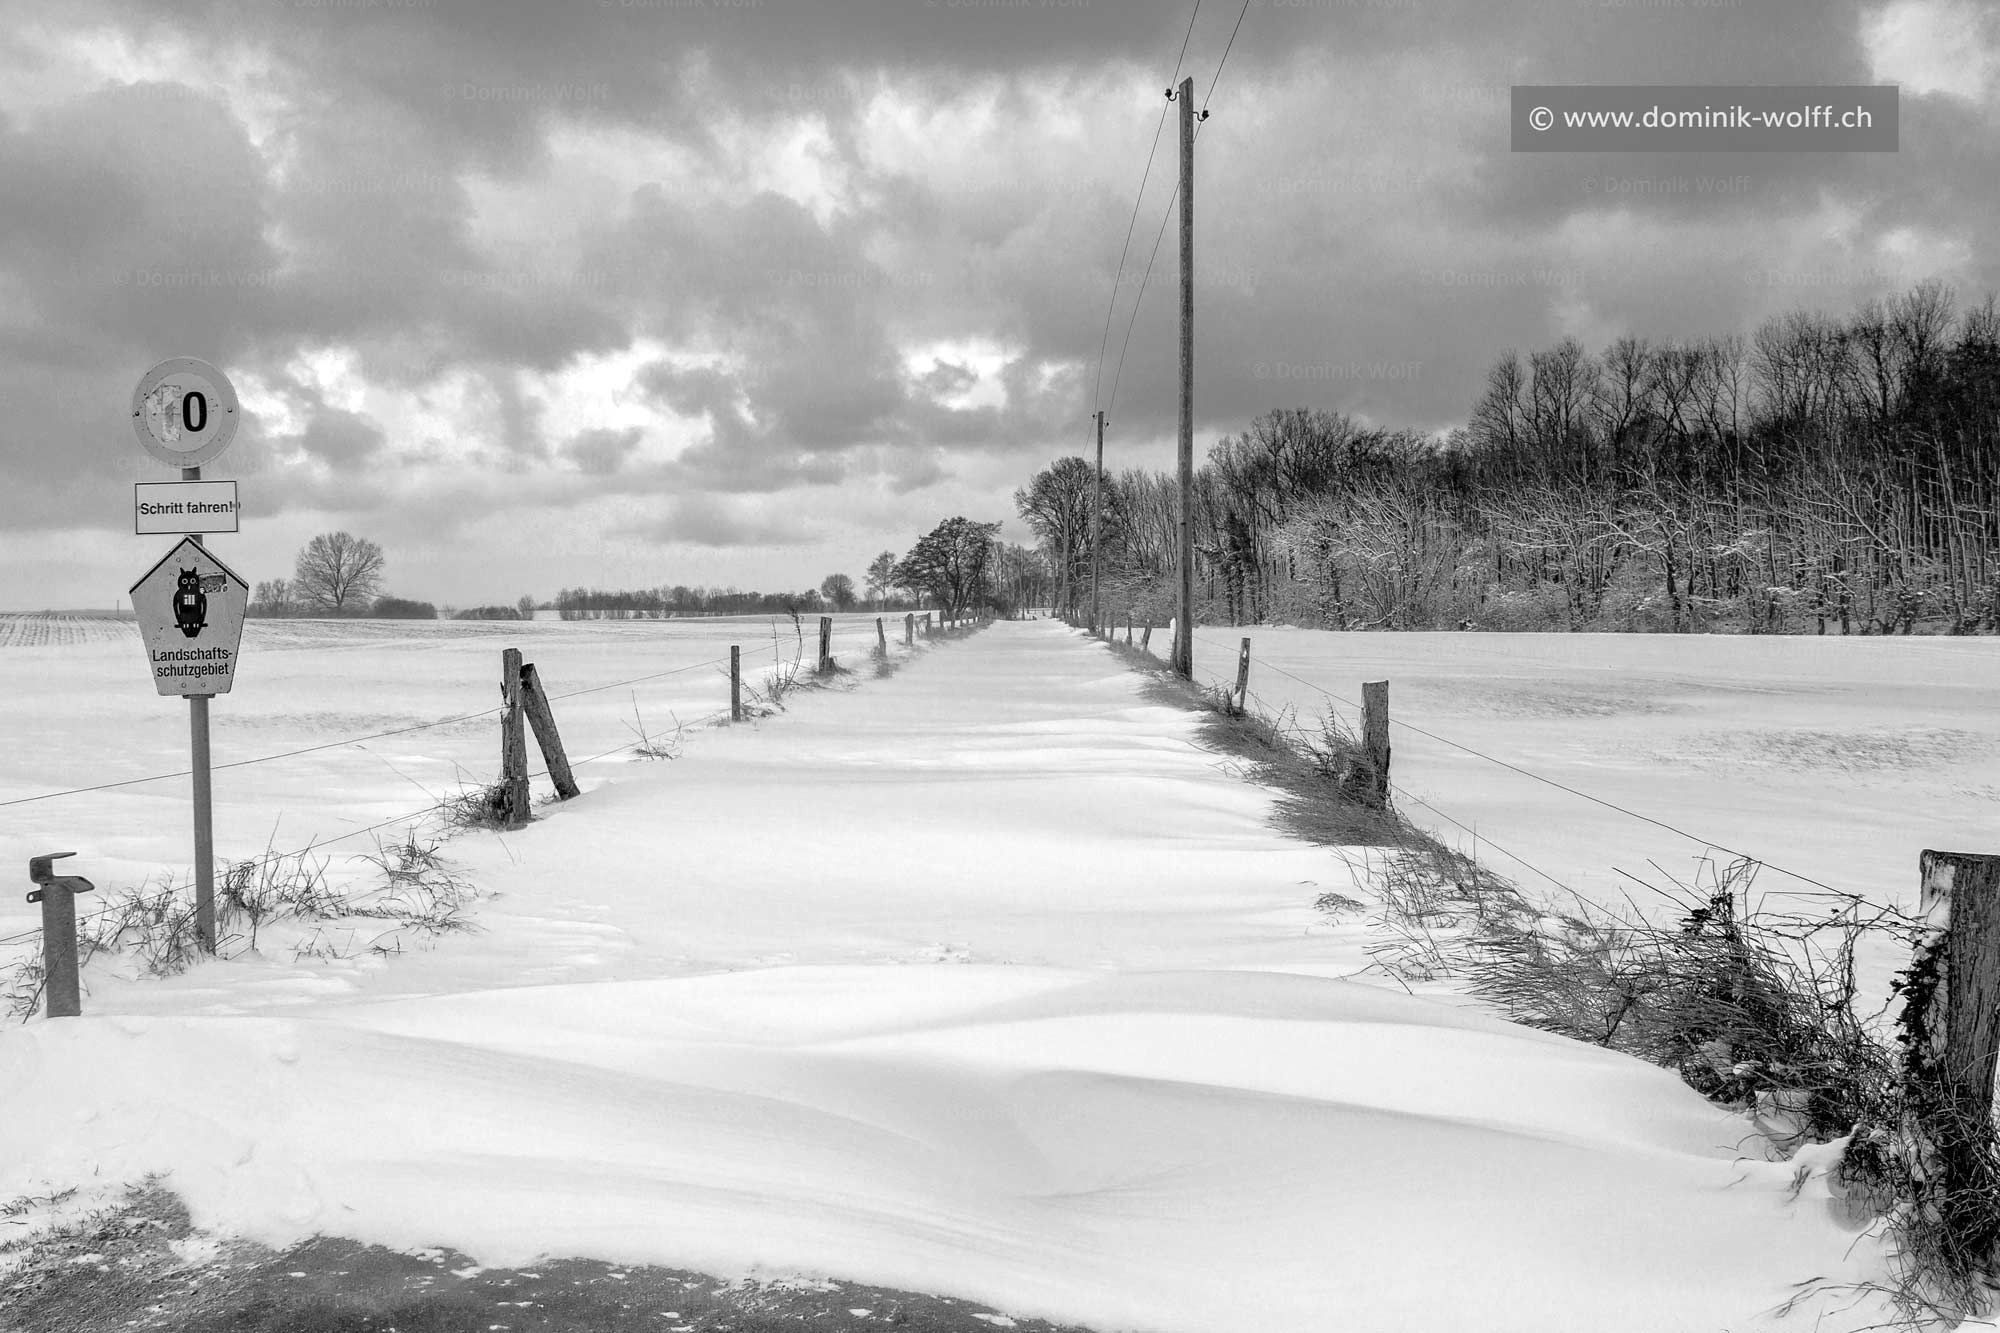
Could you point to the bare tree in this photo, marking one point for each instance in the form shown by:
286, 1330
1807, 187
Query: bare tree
838, 589
272, 598
881, 577
338, 574
1056, 507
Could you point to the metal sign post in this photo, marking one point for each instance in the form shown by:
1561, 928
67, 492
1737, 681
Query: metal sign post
184, 412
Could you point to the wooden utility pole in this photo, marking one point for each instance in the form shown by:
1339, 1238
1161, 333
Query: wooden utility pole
1183, 651
1096, 522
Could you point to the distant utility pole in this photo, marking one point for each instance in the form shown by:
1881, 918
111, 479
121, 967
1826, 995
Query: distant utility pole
1096, 513
1183, 650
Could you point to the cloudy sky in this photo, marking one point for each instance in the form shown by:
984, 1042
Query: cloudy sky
633, 292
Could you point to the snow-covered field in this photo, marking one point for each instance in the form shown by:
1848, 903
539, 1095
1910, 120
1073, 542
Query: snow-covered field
91, 717
1839, 759
980, 979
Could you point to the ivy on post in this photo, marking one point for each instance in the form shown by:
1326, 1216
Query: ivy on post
1950, 1032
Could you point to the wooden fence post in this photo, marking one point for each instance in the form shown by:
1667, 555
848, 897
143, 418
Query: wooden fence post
825, 644
1243, 679
1128, 631
543, 720
1950, 1030
1375, 736
1146, 639
910, 628
735, 682
881, 638
511, 803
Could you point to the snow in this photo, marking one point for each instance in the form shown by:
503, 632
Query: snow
1835, 761
981, 979
1840, 758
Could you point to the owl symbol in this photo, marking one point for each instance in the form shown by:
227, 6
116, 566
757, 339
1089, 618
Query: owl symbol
191, 603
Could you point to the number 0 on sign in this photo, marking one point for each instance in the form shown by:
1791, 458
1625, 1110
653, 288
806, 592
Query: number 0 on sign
184, 412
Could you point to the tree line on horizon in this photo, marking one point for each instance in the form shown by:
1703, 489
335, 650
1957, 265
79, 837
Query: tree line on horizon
1826, 475
959, 567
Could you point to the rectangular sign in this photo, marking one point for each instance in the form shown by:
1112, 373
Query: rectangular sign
169, 507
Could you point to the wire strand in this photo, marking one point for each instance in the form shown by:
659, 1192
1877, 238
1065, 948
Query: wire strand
1560, 786
351, 740
1112, 401
1225, 55
1118, 275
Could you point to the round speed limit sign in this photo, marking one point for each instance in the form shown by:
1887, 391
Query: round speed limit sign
184, 412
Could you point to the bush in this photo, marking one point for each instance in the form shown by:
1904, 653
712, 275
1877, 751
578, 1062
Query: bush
488, 613
402, 608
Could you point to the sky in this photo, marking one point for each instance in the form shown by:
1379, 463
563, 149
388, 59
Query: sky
648, 292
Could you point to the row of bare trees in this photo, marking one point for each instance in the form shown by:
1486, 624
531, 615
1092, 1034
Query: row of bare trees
1826, 475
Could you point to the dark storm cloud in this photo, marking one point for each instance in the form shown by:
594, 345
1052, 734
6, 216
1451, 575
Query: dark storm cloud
602, 452
341, 439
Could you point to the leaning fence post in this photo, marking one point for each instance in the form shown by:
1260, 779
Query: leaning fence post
1375, 735
57, 895
1128, 631
910, 628
927, 624
735, 682
543, 720
881, 637
825, 644
1145, 639
1950, 1028
1243, 678
512, 802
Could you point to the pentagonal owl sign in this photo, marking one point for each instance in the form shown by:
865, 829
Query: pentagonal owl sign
190, 608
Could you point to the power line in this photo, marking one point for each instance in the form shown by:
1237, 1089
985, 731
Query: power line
1225, 60
1198, 121
1171, 199
1118, 276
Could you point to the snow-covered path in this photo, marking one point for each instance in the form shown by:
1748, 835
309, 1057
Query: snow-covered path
982, 979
